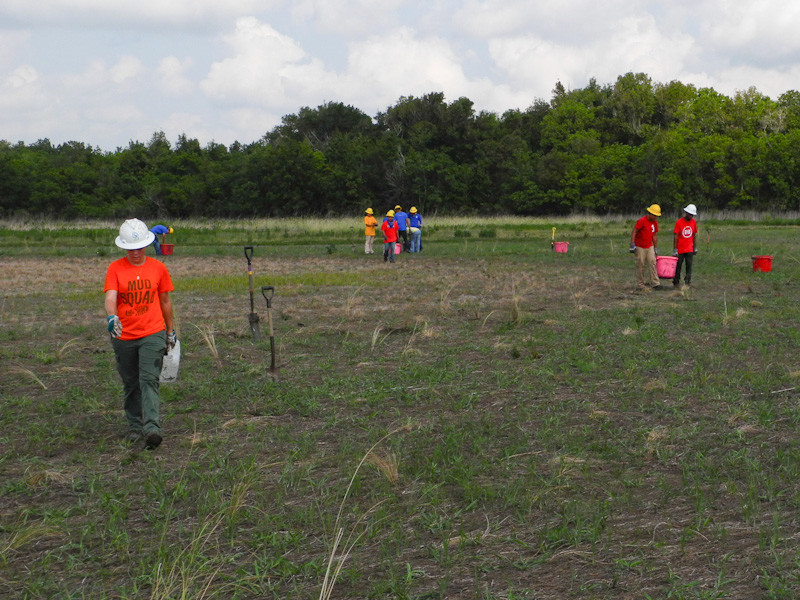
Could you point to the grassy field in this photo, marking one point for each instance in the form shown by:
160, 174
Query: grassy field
487, 419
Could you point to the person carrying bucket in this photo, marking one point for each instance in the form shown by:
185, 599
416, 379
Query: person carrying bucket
644, 246
157, 231
684, 244
370, 223
140, 322
390, 229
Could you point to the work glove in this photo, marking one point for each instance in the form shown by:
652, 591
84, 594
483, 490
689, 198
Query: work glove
172, 339
632, 249
655, 250
675, 252
114, 326
694, 251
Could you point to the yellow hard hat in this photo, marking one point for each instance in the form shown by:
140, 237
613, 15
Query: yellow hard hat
654, 209
369, 211
398, 207
413, 209
390, 213
170, 230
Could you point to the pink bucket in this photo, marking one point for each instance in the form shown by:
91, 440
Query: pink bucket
665, 266
398, 248
561, 247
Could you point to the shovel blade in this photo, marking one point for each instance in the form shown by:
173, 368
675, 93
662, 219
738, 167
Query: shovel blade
255, 328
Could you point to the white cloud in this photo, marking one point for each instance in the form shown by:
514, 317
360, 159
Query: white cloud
100, 79
566, 20
753, 32
126, 13
347, 17
172, 75
535, 63
266, 68
127, 68
12, 44
22, 77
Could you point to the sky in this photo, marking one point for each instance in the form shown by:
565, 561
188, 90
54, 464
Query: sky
109, 72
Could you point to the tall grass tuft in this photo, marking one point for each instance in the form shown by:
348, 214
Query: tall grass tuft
377, 340
337, 559
61, 351
208, 336
27, 373
23, 536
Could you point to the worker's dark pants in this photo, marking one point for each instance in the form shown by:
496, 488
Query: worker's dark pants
139, 364
684, 258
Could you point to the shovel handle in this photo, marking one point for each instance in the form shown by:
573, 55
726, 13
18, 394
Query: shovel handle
248, 254
268, 291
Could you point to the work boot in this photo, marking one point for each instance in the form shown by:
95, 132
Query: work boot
152, 440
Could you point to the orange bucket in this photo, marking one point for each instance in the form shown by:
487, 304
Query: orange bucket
762, 263
167, 248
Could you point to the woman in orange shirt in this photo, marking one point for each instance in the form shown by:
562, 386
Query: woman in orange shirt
140, 322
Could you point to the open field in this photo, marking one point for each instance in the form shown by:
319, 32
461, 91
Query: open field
540, 429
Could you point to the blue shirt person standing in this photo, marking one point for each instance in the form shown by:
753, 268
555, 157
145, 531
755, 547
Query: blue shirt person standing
157, 231
415, 222
402, 224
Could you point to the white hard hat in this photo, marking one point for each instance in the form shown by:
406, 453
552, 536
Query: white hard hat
691, 209
133, 235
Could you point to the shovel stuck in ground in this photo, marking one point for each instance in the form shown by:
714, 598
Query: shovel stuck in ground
255, 328
268, 291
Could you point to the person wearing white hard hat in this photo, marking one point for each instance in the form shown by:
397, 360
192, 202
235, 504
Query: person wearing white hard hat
684, 244
141, 325
644, 246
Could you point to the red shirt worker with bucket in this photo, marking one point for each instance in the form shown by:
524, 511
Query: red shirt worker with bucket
685, 244
644, 243
390, 230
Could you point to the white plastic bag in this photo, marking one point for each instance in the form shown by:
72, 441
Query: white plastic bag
172, 360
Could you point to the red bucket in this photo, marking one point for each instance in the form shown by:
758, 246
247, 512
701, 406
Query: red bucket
762, 263
561, 247
167, 248
665, 266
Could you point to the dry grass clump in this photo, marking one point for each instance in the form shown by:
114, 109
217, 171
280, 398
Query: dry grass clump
386, 462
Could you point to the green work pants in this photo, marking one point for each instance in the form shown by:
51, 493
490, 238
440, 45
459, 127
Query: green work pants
139, 365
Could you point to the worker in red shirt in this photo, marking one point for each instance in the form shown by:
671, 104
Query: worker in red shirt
684, 244
644, 246
390, 230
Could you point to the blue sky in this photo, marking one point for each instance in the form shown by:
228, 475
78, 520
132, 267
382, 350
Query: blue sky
105, 72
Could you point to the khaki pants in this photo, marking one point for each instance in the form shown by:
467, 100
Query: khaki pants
368, 244
646, 257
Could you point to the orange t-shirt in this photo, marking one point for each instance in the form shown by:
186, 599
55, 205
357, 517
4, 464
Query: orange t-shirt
370, 223
138, 305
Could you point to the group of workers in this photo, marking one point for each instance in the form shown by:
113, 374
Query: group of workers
644, 246
397, 225
139, 314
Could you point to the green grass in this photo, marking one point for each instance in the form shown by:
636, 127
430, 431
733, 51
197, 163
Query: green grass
554, 434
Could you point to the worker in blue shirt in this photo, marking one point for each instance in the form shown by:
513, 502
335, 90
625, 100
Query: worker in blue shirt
160, 230
402, 223
415, 223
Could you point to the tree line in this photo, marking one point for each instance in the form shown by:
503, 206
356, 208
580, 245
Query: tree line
601, 149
